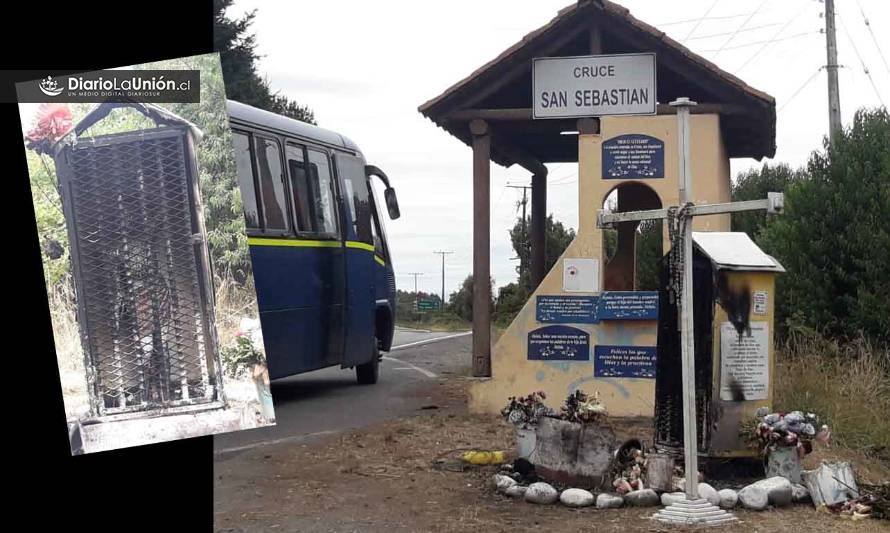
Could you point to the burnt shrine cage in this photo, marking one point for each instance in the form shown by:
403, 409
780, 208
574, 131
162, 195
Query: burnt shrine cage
141, 266
668, 417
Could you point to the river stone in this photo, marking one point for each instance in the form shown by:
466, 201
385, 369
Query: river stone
753, 497
642, 498
728, 498
800, 494
669, 498
502, 482
709, 493
609, 501
778, 490
576, 498
516, 491
541, 492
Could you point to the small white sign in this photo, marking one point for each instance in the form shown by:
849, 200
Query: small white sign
592, 86
744, 362
580, 275
759, 302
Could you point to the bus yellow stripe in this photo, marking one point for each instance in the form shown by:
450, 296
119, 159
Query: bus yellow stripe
266, 241
360, 245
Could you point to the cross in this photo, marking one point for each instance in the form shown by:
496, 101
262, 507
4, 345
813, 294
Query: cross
695, 510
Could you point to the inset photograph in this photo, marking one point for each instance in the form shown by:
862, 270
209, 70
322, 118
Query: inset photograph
145, 258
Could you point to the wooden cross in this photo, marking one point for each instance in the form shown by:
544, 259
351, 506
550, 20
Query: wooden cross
683, 262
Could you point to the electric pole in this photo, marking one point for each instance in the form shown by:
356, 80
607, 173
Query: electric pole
442, 303
416, 296
525, 239
834, 101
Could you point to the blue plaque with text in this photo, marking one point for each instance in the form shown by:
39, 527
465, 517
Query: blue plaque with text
624, 361
566, 309
628, 305
558, 343
633, 156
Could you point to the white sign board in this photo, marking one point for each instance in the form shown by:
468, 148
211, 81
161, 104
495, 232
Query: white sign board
580, 275
592, 86
759, 299
744, 362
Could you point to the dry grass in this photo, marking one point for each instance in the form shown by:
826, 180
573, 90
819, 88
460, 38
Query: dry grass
234, 301
69, 352
848, 385
65, 330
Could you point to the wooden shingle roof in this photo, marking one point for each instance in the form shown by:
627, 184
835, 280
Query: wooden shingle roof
748, 115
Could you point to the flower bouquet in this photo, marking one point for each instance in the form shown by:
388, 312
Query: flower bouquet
785, 438
525, 411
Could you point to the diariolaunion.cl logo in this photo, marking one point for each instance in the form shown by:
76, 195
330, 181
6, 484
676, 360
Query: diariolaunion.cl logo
50, 87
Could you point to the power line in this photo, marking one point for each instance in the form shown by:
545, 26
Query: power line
775, 36
793, 96
687, 21
747, 20
755, 43
712, 35
861, 61
697, 24
873, 38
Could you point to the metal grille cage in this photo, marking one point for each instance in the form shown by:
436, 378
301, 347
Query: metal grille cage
668, 418
142, 272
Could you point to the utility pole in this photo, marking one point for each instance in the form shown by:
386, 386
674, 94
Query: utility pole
834, 100
442, 303
416, 297
525, 239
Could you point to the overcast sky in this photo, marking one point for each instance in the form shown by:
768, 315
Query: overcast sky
364, 67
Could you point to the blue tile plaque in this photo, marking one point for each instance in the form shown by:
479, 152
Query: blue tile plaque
566, 309
624, 361
558, 343
628, 305
633, 156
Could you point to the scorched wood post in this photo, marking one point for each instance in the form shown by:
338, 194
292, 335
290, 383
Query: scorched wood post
481, 248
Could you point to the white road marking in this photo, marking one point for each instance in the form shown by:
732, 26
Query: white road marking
423, 371
402, 328
430, 341
293, 438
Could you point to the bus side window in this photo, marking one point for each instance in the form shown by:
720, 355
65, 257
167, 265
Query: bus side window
268, 164
246, 180
323, 193
299, 188
352, 172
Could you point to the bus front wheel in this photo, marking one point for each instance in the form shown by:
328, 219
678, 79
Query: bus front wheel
367, 373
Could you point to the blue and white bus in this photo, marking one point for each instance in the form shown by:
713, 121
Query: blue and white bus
321, 263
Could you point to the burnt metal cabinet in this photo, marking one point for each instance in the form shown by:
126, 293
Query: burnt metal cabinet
141, 267
733, 314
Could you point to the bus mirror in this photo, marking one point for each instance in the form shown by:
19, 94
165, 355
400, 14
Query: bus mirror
392, 203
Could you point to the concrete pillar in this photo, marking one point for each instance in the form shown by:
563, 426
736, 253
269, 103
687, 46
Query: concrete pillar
481, 248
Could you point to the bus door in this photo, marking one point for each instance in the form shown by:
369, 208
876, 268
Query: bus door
295, 249
316, 221
360, 263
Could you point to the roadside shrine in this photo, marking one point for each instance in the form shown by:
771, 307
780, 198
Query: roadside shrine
585, 325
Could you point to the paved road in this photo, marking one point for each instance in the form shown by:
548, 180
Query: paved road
327, 401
